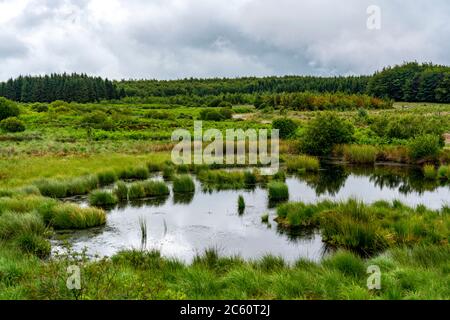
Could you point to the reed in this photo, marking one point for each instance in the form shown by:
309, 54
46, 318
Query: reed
106, 177
302, 163
360, 154
241, 204
121, 191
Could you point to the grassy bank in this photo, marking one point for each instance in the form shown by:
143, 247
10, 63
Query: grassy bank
418, 273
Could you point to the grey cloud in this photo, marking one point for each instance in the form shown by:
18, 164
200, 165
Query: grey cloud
205, 38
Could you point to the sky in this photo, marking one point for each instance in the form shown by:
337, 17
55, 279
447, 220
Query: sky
170, 39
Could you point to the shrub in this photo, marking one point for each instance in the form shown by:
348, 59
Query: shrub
444, 172
183, 184
106, 177
39, 107
429, 172
101, 198
8, 109
324, 132
302, 162
216, 114
121, 191
12, 125
278, 191
360, 154
287, 127
425, 147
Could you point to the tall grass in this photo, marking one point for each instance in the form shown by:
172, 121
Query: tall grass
183, 184
121, 191
146, 189
278, 191
107, 177
139, 173
143, 232
302, 163
64, 216
99, 198
360, 154
368, 228
66, 188
168, 171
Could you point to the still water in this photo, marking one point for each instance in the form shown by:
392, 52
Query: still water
182, 227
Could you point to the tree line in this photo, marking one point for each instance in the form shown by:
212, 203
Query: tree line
408, 82
68, 87
412, 82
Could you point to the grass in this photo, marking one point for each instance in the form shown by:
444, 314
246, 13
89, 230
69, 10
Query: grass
368, 229
138, 173
121, 191
106, 177
278, 191
183, 184
302, 163
265, 218
417, 273
147, 189
360, 154
68, 187
241, 204
99, 198
23, 170
67, 216
168, 171
429, 172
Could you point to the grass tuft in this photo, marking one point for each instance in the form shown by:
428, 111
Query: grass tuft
183, 184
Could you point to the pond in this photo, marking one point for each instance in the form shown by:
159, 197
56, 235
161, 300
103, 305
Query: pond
182, 227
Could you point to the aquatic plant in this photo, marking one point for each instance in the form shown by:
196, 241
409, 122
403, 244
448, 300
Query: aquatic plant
101, 198
241, 204
106, 177
278, 191
360, 154
183, 184
121, 191
302, 162
429, 172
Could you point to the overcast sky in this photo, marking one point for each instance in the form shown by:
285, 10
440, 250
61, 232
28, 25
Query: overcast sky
167, 39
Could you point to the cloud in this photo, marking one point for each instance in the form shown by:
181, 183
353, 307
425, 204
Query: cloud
169, 39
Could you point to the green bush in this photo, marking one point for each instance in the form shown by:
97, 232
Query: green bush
324, 132
12, 125
444, 172
425, 147
287, 127
218, 114
183, 184
429, 172
8, 109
